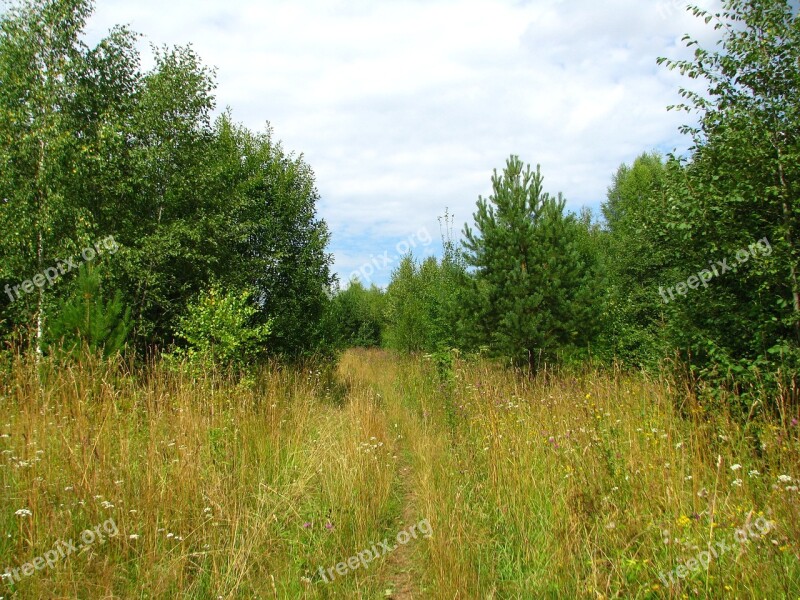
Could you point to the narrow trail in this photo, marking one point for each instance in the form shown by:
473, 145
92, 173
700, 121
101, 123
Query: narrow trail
402, 577
402, 570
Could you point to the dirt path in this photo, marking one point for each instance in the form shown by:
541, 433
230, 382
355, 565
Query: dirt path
402, 580
402, 571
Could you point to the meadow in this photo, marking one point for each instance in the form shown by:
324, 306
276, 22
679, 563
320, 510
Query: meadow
599, 484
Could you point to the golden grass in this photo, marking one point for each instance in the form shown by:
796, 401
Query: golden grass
587, 486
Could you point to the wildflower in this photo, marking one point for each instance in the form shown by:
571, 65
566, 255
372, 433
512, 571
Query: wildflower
23, 512
736, 467
784, 479
679, 445
328, 525
306, 525
684, 521
133, 536
106, 504
753, 473
737, 482
794, 422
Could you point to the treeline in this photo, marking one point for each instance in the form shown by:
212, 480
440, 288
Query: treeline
216, 242
132, 219
695, 260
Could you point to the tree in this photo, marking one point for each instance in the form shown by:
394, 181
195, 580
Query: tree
169, 216
268, 226
41, 61
637, 255
537, 276
87, 319
739, 186
221, 327
91, 146
356, 317
407, 321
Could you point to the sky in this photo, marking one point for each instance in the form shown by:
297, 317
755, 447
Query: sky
403, 108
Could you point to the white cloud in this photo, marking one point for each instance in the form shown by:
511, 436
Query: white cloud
404, 107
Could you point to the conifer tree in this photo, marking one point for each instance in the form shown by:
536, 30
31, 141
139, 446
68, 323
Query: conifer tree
536, 278
86, 318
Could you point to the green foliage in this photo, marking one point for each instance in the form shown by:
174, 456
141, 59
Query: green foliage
42, 62
538, 276
270, 230
636, 256
91, 144
424, 309
355, 316
219, 327
407, 315
86, 319
740, 186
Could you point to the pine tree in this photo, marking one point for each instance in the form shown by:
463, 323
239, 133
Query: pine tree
535, 277
87, 319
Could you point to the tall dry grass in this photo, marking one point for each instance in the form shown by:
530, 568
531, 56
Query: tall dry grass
585, 486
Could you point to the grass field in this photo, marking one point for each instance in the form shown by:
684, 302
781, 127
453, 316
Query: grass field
196, 486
